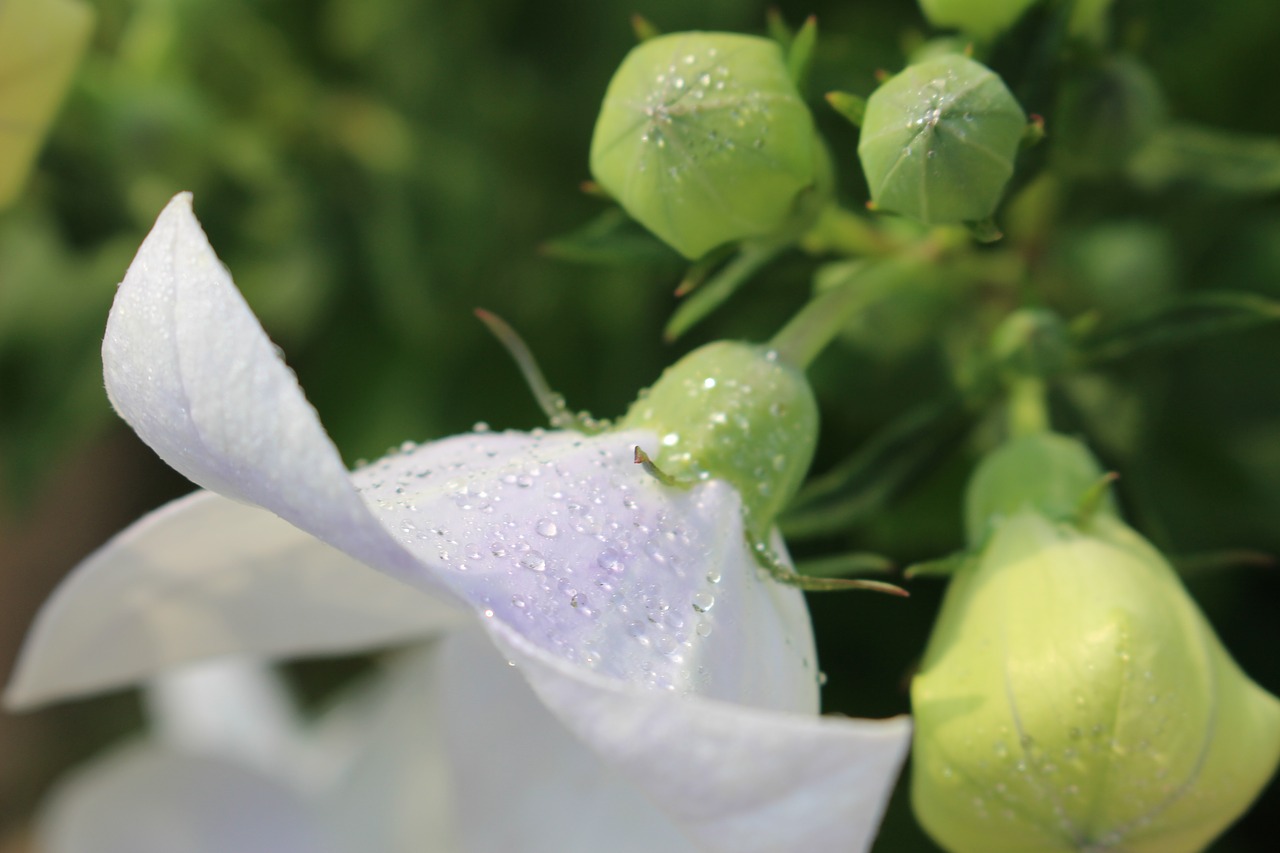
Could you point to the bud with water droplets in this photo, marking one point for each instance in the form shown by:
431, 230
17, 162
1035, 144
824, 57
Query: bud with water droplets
704, 140
938, 141
984, 19
1073, 697
737, 412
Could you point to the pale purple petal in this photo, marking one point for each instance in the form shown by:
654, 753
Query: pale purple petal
567, 541
205, 576
146, 799
735, 779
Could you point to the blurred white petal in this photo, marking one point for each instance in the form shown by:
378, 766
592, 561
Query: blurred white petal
148, 799
201, 577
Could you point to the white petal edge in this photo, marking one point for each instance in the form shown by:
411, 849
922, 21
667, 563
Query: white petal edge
190, 368
143, 798
201, 577
735, 779
455, 730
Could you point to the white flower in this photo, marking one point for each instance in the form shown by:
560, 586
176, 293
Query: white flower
633, 610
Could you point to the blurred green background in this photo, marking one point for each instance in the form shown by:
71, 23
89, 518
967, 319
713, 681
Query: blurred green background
373, 170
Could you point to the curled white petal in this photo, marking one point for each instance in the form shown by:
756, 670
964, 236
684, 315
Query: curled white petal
736, 779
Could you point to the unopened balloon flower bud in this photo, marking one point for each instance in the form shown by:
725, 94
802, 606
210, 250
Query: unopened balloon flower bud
1073, 697
704, 139
938, 141
737, 412
984, 19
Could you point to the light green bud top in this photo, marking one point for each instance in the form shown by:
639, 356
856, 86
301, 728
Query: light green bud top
984, 19
1072, 696
704, 139
1047, 473
938, 141
734, 411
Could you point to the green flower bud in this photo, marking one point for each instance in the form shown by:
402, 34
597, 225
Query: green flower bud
1072, 696
938, 141
704, 140
734, 411
984, 19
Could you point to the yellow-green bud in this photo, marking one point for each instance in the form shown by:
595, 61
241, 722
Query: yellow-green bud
704, 140
938, 141
1073, 697
984, 19
734, 411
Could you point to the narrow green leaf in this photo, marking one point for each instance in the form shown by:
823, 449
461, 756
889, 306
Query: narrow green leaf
1216, 159
852, 107
800, 54
1181, 321
611, 239
844, 565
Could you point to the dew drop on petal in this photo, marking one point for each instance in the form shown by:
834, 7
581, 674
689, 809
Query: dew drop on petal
547, 528
533, 560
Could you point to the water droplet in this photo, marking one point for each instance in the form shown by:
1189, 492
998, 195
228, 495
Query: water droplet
547, 528
703, 629
703, 601
671, 439
610, 560
534, 560
666, 644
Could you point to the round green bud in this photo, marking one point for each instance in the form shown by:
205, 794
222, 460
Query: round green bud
939, 139
984, 19
733, 411
1074, 698
1046, 473
1031, 342
704, 139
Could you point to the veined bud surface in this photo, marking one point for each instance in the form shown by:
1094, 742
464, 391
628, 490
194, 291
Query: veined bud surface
1073, 697
939, 139
704, 139
733, 411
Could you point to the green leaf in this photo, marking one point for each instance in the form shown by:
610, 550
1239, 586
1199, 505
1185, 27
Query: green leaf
866, 481
611, 239
843, 565
852, 107
1181, 321
1216, 159
800, 54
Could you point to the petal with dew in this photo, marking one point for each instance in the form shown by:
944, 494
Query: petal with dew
735, 779
146, 799
189, 367
204, 576
565, 540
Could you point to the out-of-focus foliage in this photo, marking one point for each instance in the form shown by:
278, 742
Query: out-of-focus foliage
375, 169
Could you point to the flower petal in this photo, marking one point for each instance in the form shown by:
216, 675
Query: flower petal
205, 576
145, 799
735, 779
453, 729
568, 542
189, 367
558, 535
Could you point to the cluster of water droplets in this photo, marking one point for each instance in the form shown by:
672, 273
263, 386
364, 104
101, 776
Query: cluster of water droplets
937, 100
695, 108
564, 538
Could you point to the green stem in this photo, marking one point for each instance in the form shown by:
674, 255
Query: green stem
1028, 407
815, 325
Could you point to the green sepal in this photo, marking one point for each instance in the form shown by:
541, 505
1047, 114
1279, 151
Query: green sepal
852, 107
